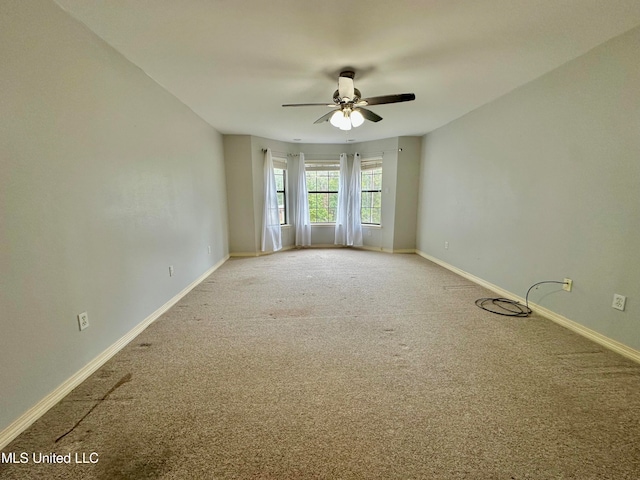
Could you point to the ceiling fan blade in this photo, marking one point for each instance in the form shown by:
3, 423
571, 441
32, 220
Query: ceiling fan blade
309, 105
400, 97
369, 115
327, 116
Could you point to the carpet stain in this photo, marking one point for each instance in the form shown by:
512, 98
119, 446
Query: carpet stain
578, 354
122, 381
249, 281
144, 344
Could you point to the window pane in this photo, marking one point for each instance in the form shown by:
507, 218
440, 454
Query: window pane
318, 210
365, 215
366, 180
376, 199
366, 200
375, 215
334, 179
279, 174
311, 181
377, 179
323, 182
332, 199
312, 207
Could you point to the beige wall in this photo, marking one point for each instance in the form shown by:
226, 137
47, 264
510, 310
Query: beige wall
404, 233
240, 194
105, 181
544, 184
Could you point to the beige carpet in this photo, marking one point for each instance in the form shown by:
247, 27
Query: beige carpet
346, 364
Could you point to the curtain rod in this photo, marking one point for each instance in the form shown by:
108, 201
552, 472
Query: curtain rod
279, 154
330, 155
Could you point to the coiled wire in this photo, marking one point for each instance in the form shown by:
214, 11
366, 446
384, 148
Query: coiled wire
508, 307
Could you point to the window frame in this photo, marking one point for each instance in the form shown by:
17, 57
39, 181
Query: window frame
319, 166
281, 164
365, 166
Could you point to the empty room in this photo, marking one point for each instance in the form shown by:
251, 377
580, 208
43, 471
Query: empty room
346, 239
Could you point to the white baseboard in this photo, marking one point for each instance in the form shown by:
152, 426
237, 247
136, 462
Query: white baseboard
325, 245
369, 248
260, 254
396, 250
592, 335
34, 413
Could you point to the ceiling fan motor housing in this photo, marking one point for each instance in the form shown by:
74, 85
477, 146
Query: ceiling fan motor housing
356, 96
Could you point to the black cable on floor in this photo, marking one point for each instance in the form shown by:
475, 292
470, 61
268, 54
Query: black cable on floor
508, 307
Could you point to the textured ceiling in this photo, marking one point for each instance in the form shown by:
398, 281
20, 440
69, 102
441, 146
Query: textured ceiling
235, 62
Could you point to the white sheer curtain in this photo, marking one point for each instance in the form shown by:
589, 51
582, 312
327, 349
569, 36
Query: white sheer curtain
354, 219
302, 219
271, 237
348, 221
343, 202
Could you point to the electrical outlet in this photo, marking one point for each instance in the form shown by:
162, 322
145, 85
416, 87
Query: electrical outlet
83, 320
568, 284
171, 270
446, 245
619, 301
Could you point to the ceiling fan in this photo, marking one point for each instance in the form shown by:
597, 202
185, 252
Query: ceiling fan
348, 104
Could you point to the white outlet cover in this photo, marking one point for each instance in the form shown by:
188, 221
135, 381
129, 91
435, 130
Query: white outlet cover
83, 320
619, 301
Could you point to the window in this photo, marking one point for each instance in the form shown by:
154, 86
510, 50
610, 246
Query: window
371, 185
322, 187
280, 172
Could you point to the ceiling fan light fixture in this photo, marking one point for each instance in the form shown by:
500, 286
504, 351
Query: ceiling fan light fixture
356, 118
336, 118
345, 123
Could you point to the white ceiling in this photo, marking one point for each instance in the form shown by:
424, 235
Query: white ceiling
235, 62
